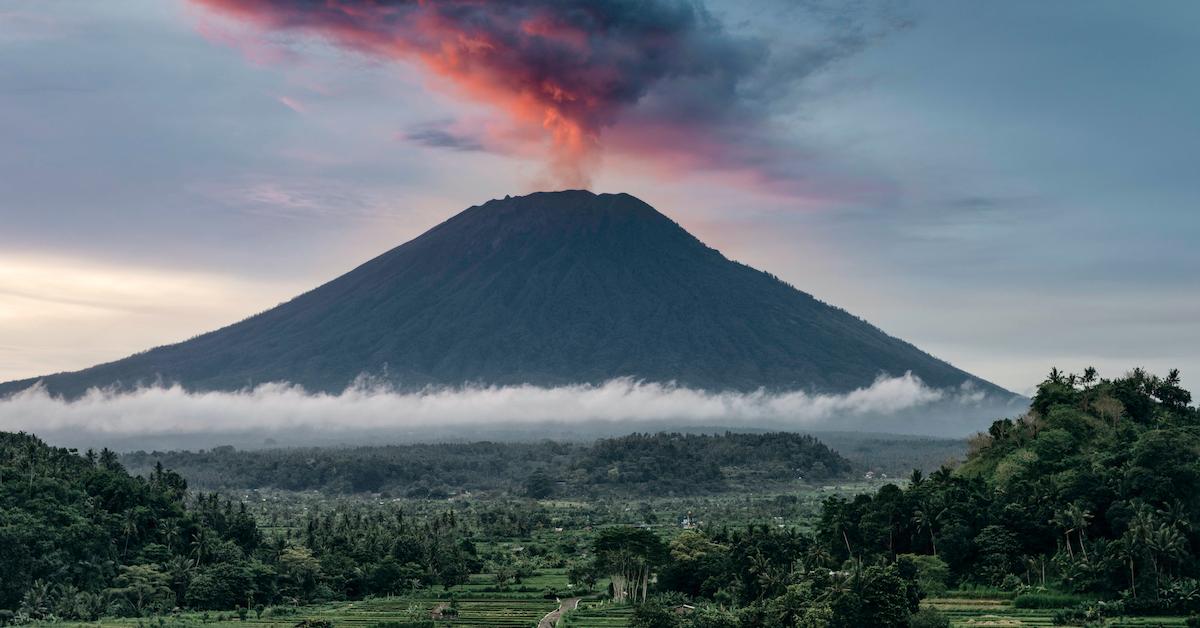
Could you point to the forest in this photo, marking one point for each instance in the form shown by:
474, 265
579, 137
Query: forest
642, 464
1086, 508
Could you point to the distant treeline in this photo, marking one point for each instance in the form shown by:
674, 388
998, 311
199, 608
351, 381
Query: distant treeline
896, 455
659, 464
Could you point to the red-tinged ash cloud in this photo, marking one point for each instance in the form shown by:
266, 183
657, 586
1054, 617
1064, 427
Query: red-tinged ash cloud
580, 70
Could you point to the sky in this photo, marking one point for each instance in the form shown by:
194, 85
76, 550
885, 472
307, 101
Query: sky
1009, 186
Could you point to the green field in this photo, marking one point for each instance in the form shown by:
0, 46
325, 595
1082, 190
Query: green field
515, 609
481, 612
1000, 613
597, 614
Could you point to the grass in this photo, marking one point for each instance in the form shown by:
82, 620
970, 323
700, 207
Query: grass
979, 592
473, 612
965, 609
597, 614
970, 609
1050, 599
478, 603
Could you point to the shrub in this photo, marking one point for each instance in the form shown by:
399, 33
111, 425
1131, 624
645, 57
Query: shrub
971, 592
1068, 617
653, 614
929, 618
280, 611
1086, 614
932, 572
1010, 583
1049, 600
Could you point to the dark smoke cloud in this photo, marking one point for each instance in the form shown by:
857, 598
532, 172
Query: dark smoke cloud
665, 79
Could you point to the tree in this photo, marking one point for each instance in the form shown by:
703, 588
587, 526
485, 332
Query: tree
539, 485
929, 618
143, 586
502, 571
926, 517
582, 574
1079, 520
817, 557
629, 556
179, 571
1064, 523
202, 544
999, 551
129, 527
36, 601
221, 586
932, 573
653, 614
300, 571
1109, 409
1167, 544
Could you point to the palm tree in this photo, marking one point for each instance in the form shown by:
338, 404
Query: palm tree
180, 569
31, 451
1034, 565
278, 546
818, 556
1167, 543
925, 519
1063, 520
1078, 518
170, 533
1177, 515
36, 601
129, 526
1128, 551
1141, 528
916, 478
1056, 376
201, 544
770, 577
942, 474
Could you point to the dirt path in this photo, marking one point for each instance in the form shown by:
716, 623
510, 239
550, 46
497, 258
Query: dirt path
551, 618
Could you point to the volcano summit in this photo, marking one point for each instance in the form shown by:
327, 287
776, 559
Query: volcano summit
547, 289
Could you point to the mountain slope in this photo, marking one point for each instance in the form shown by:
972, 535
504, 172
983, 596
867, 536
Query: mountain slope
550, 288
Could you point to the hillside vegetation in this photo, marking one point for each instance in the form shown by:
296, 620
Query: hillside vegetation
1085, 509
639, 464
1096, 490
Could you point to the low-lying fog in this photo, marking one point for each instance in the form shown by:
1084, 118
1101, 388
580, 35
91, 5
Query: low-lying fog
286, 415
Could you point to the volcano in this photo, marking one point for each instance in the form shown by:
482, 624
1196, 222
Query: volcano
548, 289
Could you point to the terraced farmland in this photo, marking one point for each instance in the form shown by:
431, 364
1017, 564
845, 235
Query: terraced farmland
1000, 613
597, 614
472, 612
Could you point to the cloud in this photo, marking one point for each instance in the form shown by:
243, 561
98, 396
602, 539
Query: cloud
440, 136
300, 198
293, 103
173, 410
65, 313
668, 80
